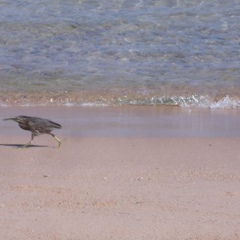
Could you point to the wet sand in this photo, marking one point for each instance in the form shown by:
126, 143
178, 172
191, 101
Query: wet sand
118, 187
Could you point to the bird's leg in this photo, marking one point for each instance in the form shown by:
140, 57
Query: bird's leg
59, 141
26, 145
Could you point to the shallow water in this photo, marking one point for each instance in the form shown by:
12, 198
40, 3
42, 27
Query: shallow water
130, 121
183, 53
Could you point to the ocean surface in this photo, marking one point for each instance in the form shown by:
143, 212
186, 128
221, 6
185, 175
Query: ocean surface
107, 53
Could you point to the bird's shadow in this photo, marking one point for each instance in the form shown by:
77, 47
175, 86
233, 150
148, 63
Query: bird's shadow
21, 146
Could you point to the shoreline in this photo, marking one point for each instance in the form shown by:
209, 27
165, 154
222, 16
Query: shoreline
131, 121
217, 97
104, 184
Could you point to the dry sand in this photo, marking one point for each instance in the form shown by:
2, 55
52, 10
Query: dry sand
101, 188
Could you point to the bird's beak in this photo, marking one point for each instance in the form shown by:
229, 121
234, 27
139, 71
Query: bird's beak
14, 119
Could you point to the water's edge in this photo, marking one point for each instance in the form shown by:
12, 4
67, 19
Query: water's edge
130, 121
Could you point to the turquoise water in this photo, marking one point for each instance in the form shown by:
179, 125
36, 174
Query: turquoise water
90, 53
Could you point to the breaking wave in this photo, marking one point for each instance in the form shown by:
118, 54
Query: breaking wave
108, 98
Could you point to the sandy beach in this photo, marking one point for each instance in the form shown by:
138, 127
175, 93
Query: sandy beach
117, 186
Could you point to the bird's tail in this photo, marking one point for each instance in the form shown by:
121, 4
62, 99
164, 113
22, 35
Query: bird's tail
55, 125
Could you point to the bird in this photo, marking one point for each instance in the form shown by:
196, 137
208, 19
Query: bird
36, 126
